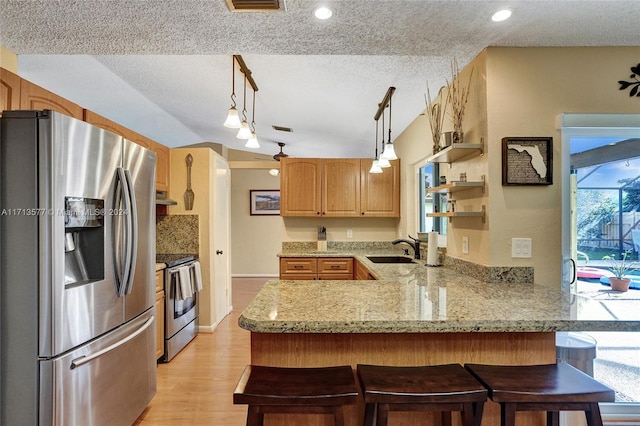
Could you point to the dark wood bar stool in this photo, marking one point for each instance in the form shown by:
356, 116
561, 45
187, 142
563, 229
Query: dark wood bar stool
322, 390
551, 388
443, 388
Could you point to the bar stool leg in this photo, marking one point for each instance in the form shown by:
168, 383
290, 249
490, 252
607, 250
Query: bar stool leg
594, 418
553, 418
254, 416
382, 414
478, 408
338, 416
508, 414
369, 413
445, 418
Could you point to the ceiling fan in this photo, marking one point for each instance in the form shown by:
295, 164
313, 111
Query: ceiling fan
281, 154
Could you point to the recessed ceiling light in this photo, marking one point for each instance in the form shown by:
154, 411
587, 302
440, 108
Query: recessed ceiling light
501, 15
323, 13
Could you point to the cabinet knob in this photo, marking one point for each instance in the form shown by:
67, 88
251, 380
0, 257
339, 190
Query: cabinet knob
317, 212
218, 251
362, 213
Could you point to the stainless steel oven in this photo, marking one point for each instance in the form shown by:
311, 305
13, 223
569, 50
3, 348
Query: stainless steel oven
181, 310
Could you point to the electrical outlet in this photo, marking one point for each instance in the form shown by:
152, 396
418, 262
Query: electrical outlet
521, 247
465, 245
349, 233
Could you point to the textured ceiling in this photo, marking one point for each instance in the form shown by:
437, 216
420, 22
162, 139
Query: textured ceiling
163, 67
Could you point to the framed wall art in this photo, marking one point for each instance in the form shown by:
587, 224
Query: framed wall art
527, 161
264, 202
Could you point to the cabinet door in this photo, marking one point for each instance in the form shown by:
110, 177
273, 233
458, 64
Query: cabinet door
300, 183
361, 272
35, 98
9, 91
341, 187
380, 195
162, 152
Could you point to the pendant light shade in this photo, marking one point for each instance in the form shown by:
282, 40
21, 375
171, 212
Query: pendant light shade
233, 119
383, 162
245, 131
375, 167
388, 153
252, 142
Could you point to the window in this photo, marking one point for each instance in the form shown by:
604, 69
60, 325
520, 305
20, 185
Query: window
431, 202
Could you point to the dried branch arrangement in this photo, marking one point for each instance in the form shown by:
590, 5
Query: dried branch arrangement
435, 114
457, 96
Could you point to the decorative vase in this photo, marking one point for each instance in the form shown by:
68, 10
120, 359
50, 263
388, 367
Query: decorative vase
619, 284
457, 137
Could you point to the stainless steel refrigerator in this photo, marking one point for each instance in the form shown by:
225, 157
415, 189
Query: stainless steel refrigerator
77, 233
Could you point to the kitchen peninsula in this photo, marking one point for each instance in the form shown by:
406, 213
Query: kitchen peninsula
412, 315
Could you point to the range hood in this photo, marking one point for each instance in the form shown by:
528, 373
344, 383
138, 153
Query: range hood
163, 199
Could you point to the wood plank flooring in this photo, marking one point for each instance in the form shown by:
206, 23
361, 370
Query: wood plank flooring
196, 387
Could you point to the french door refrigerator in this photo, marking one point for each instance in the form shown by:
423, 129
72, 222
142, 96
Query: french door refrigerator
77, 249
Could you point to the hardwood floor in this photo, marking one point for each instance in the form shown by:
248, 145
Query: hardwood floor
196, 387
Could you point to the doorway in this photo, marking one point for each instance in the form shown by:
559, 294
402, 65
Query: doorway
600, 178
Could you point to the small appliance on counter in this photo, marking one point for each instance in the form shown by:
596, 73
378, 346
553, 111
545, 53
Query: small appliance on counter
182, 282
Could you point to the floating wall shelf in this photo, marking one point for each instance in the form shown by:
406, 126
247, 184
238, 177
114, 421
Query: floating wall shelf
457, 186
457, 151
451, 215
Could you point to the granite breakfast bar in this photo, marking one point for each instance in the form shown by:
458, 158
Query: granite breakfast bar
417, 315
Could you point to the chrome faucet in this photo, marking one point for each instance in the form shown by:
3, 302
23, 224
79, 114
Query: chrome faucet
415, 245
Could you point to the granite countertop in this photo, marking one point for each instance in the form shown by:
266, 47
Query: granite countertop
410, 298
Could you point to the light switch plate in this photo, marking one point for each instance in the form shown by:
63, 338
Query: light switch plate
465, 245
349, 233
521, 247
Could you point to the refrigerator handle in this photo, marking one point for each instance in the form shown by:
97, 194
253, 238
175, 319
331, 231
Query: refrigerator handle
85, 359
124, 212
132, 238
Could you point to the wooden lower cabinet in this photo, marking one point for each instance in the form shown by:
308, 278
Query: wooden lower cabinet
159, 305
361, 272
316, 268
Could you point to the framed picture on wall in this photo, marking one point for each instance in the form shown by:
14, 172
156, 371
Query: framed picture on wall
264, 202
527, 161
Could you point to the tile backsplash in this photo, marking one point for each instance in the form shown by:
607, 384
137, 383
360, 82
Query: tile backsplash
177, 234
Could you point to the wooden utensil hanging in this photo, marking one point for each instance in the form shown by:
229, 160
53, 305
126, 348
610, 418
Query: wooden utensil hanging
188, 194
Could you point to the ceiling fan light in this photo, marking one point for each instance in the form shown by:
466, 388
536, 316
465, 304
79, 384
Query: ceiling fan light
375, 167
383, 163
389, 153
252, 142
233, 119
244, 132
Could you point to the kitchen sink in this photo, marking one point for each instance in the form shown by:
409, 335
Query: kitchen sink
390, 259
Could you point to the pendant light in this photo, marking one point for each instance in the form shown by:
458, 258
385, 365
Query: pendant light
245, 132
252, 142
383, 162
389, 153
233, 119
375, 166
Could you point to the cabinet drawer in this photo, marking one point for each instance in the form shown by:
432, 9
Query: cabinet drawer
334, 276
298, 265
335, 265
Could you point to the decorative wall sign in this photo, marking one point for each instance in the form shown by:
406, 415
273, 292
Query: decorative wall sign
264, 202
527, 161
634, 85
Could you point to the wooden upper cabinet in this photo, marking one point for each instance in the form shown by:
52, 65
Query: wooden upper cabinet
300, 186
341, 187
162, 152
338, 187
34, 97
380, 192
9, 91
